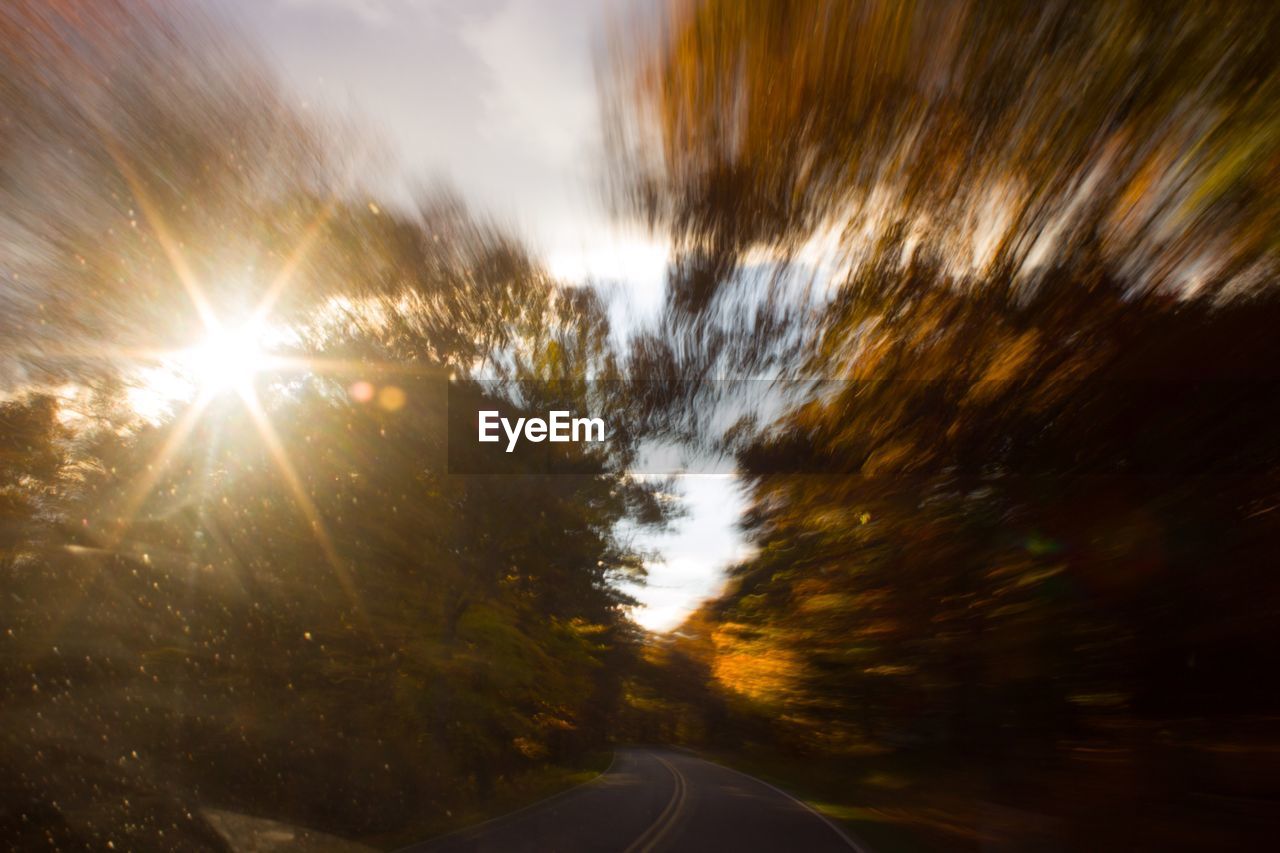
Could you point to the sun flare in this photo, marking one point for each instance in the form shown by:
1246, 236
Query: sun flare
226, 360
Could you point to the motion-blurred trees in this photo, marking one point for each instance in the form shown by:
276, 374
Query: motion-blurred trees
994, 134
1033, 495
283, 604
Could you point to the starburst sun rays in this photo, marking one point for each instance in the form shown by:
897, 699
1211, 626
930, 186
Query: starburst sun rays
228, 361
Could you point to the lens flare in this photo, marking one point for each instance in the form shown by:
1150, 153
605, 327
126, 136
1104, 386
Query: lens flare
226, 360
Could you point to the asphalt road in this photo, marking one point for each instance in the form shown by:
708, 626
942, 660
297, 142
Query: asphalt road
656, 800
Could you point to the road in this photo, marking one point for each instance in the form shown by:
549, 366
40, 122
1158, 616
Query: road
656, 800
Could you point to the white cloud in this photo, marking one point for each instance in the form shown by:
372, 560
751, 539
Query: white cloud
372, 12
695, 554
543, 91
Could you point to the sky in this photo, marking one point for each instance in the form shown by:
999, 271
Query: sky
497, 100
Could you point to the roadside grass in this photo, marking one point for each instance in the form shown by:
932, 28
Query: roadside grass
510, 794
1092, 794
887, 802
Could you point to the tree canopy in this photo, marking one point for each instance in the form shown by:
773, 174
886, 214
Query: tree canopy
1024, 256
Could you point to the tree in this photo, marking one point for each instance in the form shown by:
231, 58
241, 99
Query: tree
265, 594
1028, 492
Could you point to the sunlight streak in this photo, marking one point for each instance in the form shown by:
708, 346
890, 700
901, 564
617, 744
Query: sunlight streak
186, 276
309, 511
141, 489
229, 359
299, 254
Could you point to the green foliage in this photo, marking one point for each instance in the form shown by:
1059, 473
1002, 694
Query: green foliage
277, 600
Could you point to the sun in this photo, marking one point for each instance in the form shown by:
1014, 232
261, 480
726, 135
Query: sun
227, 359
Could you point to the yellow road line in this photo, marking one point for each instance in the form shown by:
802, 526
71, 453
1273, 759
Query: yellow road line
652, 836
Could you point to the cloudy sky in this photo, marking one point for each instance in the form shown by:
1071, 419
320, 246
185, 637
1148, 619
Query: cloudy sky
497, 99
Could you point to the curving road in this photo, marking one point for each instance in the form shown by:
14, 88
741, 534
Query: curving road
656, 800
